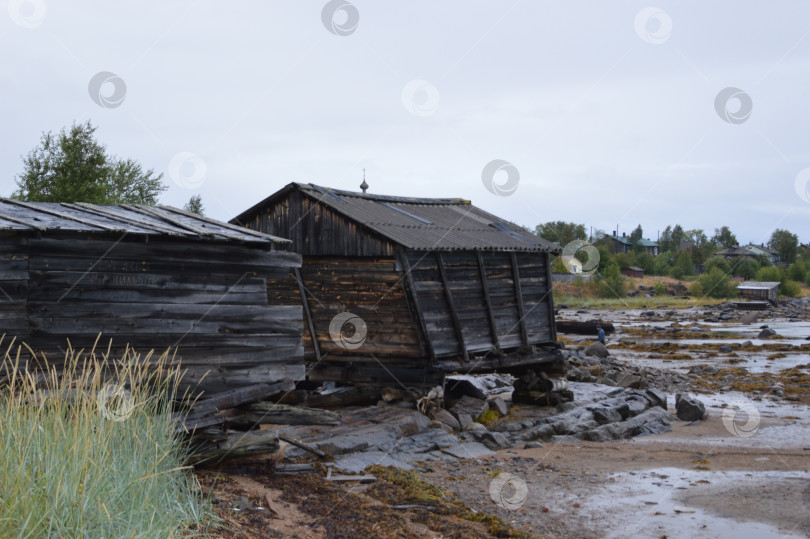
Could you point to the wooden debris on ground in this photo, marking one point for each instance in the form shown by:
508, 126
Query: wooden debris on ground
226, 425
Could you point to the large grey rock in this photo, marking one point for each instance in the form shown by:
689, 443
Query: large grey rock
657, 397
605, 381
478, 386
724, 349
765, 333
464, 421
689, 408
447, 418
499, 405
493, 440
653, 421
628, 380
470, 406
605, 415
474, 427
597, 349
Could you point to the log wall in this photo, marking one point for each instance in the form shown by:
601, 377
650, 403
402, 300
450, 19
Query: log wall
209, 301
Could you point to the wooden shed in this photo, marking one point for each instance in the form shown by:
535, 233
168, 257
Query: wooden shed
408, 289
633, 271
759, 290
151, 278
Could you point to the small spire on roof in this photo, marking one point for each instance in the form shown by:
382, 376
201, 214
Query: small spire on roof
364, 185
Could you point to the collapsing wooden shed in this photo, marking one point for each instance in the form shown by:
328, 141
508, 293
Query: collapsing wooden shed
408, 289
151, 278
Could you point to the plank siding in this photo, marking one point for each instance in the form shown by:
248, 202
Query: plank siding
209, 302
369, 288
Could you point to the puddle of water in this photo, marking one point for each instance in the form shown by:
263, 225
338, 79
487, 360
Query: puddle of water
754, 362
648, 504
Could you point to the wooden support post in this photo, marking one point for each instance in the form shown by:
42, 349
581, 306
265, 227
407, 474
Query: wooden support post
524, 334
451, 304
493, 328
549, 296
413, 301
308, 314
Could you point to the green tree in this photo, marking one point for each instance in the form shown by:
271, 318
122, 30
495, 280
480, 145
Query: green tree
797, 270
635, 237
663, 263
723, 237
717, 262
625, 260
770, 274
716, 284
645, 261
677, 238
195, 205
683, 266
72, 166
786, 244
745, 267
611, 282
665, 240
561, 232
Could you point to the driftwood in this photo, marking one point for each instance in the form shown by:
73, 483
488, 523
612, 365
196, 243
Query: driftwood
217, 445
222, 426
343, 396
306, 447
583, 328
268, 413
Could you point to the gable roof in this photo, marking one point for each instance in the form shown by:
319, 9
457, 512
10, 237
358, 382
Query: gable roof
736, 251
419, 223
644, 242
137, 220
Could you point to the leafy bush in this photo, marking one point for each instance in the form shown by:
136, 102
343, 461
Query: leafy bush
746, 268
611, 284
663, 263
807, 279
797, 271
716, 284
790, 289
79, 460
696, 290
769, 274
717, 262
683, 266
660, 289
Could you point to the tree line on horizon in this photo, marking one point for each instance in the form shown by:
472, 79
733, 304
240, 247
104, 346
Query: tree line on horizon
681, 251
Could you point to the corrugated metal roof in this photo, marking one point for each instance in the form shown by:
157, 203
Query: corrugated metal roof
756, 285
424, 223
82, 218
644, 242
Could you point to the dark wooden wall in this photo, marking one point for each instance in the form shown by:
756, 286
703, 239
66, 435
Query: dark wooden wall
463, 320
13, 291
370, 288
316, 230
209, 301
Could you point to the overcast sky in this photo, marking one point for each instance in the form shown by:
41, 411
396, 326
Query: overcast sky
605, 113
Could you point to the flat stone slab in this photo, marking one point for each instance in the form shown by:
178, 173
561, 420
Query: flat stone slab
469, 450
360, 461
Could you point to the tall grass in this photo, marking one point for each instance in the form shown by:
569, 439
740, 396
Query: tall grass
87, 449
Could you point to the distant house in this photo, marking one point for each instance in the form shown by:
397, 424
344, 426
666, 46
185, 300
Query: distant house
759, 290
633, 271
735, 252
762, 250
623, 244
